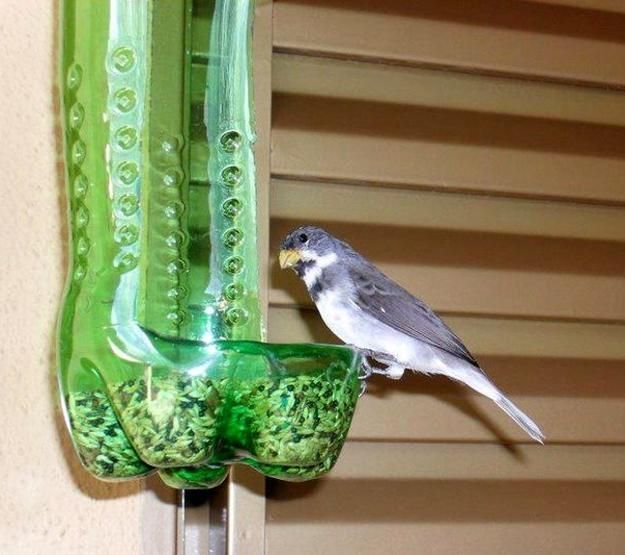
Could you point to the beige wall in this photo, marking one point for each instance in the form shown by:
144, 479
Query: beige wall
48, 504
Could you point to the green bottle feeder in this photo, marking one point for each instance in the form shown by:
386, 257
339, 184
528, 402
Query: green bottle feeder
161, 361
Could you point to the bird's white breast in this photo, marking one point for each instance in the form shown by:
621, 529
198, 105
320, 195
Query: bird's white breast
348, 322
336, 314
355, 327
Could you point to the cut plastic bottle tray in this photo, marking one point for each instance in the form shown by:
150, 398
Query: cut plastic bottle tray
282, 409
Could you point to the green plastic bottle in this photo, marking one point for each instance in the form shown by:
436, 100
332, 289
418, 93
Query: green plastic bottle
161, 364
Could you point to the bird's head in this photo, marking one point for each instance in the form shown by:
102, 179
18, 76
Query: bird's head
307, 247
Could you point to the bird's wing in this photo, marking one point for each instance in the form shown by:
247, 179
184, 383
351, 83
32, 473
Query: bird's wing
378, 296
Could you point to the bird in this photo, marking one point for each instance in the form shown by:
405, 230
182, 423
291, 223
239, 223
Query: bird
393, 329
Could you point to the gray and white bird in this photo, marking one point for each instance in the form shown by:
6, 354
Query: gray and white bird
368, 310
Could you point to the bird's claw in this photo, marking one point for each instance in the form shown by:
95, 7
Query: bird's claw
394, 369
364, 372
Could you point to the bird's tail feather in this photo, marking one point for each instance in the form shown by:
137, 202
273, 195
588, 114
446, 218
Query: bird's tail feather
520, 418
477, 380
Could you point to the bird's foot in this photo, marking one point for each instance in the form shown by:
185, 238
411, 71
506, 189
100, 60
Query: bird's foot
365, 369
392, 371
392, 368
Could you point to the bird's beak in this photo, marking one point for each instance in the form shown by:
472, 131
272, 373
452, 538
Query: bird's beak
288, 258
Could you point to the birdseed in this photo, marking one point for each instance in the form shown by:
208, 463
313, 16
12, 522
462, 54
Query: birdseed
296, 421
100, 441
170, 420
291, 427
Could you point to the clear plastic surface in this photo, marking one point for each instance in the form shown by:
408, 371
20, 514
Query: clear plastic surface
160, 361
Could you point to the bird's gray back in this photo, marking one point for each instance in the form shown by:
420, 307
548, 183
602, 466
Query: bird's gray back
382, 298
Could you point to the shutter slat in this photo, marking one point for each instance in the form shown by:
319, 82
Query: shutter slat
451, 413
354, 204
515, 38
435, 461
338, 139
386, 515
604, 5
374, 82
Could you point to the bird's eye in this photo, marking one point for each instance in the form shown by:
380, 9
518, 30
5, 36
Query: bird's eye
303, 238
